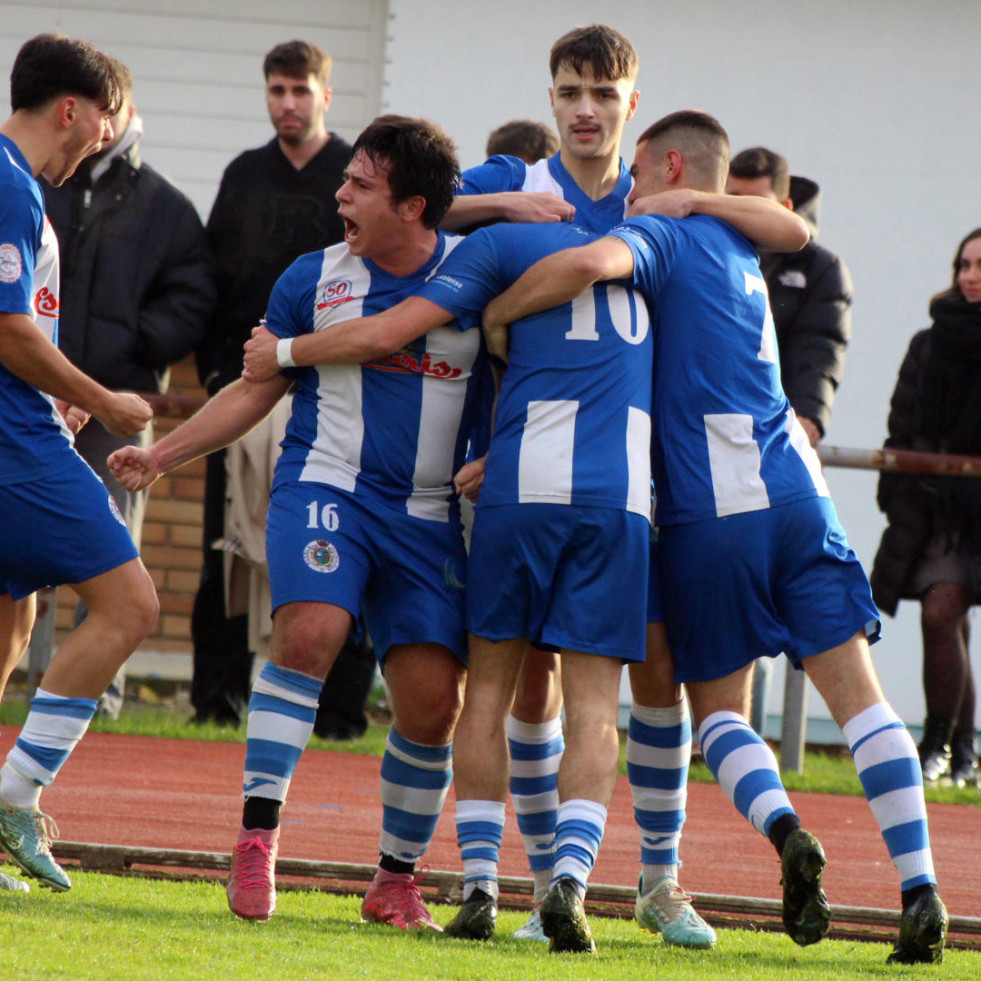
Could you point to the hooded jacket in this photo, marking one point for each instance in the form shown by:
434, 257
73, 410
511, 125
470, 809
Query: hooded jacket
137, 275
935, 407
810, 296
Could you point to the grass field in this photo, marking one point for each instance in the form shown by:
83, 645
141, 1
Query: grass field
130, 928
109, 928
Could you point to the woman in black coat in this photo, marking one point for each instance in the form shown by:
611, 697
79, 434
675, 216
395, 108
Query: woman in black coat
931, 550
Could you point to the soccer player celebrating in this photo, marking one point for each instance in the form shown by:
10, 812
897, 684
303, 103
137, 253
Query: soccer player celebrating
60, 523
363, 517
562, 527
746, 520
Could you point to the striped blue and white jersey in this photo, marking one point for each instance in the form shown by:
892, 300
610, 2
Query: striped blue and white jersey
572, 424
725, 439
502, 173
393, 430
33, 439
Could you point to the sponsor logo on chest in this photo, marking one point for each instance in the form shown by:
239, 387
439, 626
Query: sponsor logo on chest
335, 292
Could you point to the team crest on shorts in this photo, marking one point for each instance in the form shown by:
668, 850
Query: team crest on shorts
11, 265
321, 556
115, 511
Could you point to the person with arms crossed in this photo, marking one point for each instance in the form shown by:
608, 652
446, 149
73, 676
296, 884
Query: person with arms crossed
363, 516
61, 522
274, 203
480, 267
745, 518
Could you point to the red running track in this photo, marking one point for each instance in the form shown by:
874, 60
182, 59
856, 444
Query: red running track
181, 794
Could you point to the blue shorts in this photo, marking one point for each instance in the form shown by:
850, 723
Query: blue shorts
755, 584
655, 605
573, 577
405, 575
61, 529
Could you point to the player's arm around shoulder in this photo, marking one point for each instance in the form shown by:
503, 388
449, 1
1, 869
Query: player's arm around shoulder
349, 342
560, 278
493, 191
514, 206
767, 224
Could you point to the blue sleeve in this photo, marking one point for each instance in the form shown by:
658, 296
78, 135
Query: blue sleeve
470, 277
290, 309
20, 239
653, 245
498, 173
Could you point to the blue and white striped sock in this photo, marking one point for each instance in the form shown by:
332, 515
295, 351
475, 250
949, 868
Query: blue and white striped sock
889, 768
479, 831
577, 839
282, 709
658, 754
53, 728
414, 781
536, 751
745, 769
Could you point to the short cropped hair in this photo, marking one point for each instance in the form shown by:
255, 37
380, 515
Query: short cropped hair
524, 138
758, 161
606, 52
418, 159
51, 65
702, 140
125, 77
298, 59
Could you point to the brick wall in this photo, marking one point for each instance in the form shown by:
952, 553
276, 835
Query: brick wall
171, 545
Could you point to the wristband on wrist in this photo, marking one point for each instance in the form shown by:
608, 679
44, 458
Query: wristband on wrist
284, 356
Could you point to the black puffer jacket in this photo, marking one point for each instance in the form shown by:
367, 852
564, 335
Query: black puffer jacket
898, 495
137, 277
935, 407
810, 296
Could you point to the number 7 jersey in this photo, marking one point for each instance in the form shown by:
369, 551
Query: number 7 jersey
724, 437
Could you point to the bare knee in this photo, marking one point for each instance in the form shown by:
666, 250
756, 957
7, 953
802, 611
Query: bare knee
426, 688
539, 696
307, 637
133, 614
430, 718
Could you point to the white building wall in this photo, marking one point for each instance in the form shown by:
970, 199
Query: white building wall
197, 67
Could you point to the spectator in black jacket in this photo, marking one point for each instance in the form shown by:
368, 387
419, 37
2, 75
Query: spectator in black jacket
810, 292
931, 550
137, 290
810, 297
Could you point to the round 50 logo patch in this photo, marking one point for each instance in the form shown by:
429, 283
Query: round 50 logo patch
11, 265
321, 556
